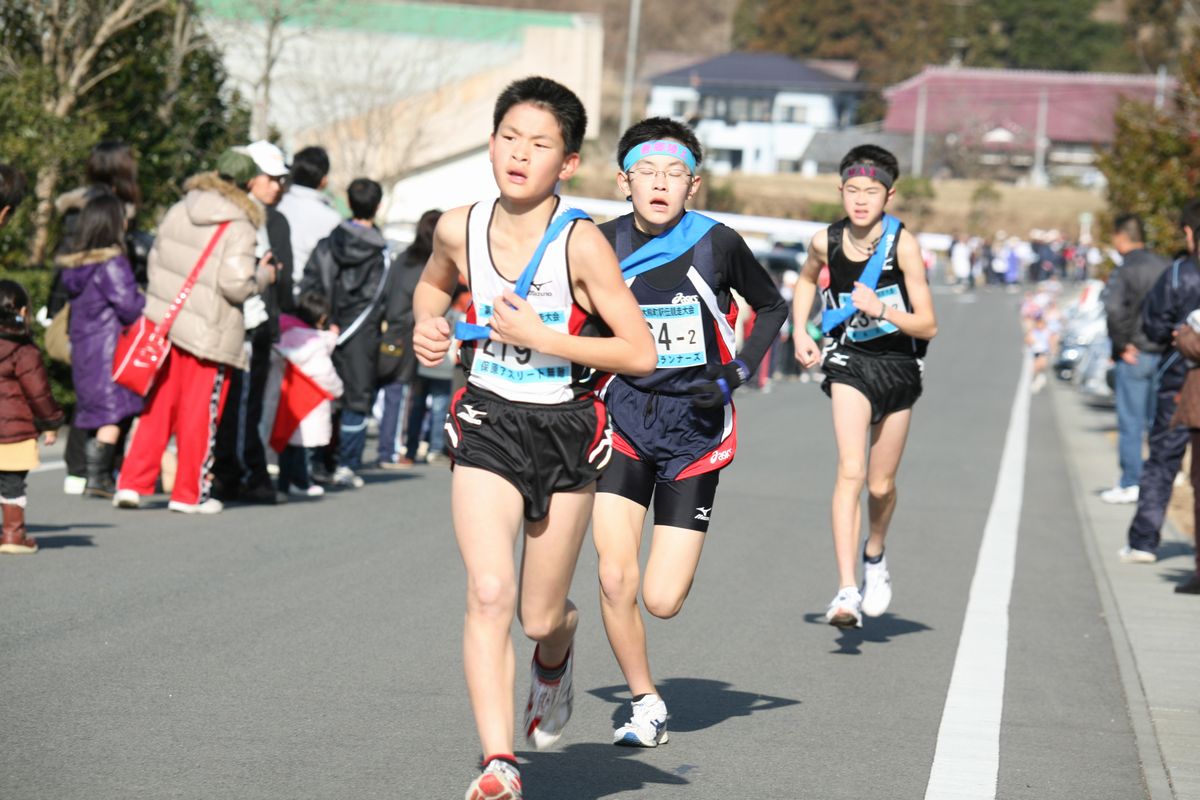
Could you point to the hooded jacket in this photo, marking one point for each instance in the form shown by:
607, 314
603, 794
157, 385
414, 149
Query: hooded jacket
1174, 295
27, 406
347, 267
104, 298
209, 325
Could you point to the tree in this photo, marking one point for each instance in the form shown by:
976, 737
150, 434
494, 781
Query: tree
73, 72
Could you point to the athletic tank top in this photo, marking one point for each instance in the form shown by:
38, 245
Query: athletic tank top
689, 329
519, 373
860, 331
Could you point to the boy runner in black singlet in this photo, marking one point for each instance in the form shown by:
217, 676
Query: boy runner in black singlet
673, 431
527, 435
873, 363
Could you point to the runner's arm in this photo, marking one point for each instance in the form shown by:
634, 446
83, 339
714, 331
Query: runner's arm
431, 331
598, 287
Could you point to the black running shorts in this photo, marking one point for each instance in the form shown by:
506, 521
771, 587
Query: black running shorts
539, 449
890, 381
686, 503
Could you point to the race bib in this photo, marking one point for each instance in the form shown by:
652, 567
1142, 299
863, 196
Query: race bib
860, 327
521, 365
678, 334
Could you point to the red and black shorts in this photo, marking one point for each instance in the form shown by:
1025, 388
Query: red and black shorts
539, 449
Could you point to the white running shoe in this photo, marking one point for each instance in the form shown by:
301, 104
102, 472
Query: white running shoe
1120, 495
549, 706
313, 490
876, 588
498, 781
845, 609
74, 484
210, 506
126, 498
1133, 556
347, 478
648, 727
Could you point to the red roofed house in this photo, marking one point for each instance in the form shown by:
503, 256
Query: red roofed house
994, 115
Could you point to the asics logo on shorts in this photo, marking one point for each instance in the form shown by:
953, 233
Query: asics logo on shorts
703, 514
720, 455
471, 415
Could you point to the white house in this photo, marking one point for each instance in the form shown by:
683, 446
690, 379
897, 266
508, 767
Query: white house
757, 112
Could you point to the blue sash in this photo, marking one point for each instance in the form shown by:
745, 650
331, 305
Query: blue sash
668, 246
469, 331
832, 317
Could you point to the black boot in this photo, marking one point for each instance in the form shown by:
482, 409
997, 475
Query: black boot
100, 457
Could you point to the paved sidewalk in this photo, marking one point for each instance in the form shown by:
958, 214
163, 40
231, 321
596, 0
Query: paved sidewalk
1155, 632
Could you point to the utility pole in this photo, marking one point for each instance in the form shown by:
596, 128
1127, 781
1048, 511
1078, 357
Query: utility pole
1160, 88
918, 153
1038, 177
635, 21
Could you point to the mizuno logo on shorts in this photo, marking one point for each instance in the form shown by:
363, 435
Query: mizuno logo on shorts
840, 359
470, 415
703, 513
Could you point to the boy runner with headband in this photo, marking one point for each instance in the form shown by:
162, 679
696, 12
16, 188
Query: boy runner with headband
878, 321
527, 434
674, 429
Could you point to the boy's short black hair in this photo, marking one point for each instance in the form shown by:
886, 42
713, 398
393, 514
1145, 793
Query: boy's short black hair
550, 96
309, 167
312, 307
871, 155
652, 128
364, 196
1131, 225
12, 186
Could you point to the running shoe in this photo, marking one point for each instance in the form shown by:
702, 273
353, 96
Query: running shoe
1120, 495
126, 498
876, 588
346, 478
210, 506
549, 706
845, 610
648, 727
498, 781
1131, 555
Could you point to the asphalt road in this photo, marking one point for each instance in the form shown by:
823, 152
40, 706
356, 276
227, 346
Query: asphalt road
313, 650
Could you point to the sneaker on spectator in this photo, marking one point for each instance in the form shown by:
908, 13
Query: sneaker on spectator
1131, 555
845, 609
74, 484
549, 705
648, 725
402, 462
210, 506
437, 458
1120, 495
498, 781
126, 498
345, 478
312, 491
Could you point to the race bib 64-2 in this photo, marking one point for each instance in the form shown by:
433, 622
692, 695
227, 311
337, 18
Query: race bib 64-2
678, 333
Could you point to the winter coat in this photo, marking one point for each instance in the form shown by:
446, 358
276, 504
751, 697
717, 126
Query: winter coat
1170, 300
398, 311
309, 351
209, 325
1123, 298
311, 218
104, 298
27, 406
347, 267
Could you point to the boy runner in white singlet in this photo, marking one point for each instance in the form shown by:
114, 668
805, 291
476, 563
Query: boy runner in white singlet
876, 336
673, 431
527, 434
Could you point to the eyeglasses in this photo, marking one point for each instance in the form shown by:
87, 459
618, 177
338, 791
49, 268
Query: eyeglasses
647, 174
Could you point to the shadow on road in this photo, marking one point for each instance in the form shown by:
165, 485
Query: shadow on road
589, 771
1174, 549
878, 630
60, 541
695, 703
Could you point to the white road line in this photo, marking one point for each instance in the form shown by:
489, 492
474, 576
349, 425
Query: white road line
966, 763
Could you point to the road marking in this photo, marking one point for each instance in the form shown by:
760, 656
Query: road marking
966, 763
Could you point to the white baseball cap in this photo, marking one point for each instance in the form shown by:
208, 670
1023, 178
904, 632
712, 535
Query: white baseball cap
267, 157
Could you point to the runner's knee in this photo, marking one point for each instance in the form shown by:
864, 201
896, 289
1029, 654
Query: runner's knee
882, 489
618, 580
542, 624
491, 596
664, 603
852, 469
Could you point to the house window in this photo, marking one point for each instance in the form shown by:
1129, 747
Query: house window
679, 108
787, 165
797, 114
731, 157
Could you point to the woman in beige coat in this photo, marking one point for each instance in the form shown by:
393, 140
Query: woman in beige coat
206, 339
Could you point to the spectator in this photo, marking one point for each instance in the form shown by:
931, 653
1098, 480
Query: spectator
240, 468
397, 333
207, 337
1170, 300
308, 210
1137, 358
349, 267
104, 297
27, 406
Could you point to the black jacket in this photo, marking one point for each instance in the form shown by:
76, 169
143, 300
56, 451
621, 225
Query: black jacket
1124, 296
278, 296
347, 267
398, 309
1174, 295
